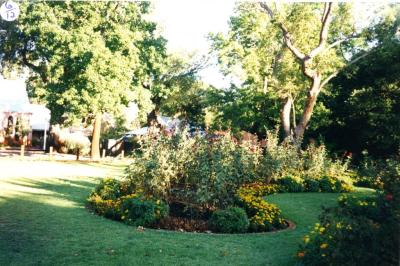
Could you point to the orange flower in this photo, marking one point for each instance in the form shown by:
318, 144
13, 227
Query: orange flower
300, 254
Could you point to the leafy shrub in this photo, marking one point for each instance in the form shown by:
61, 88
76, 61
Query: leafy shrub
136, 210
360, 231
264, 216
230, 220
311, 185
108, 189
291, 184
330, 184
202, 173
108, 208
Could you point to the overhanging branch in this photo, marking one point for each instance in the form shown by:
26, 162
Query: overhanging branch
323, 83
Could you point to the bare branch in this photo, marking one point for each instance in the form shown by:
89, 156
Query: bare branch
348, 64
286, 35
323, 35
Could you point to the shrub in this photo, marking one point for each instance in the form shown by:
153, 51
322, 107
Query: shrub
105, 207
291, 184
360, 231
330, 184
108, 189
200, 172
311, 185
263, 216
230, 220
136, 210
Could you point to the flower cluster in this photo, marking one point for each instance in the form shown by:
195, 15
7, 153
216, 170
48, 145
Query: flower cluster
264, 216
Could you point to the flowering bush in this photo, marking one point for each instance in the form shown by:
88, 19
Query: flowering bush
203, 174
264, 216
291, 184
360, 231
137, 210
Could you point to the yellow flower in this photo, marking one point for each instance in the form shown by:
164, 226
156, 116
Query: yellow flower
306, 239
324, 245
323, 255
123, 217
322, 229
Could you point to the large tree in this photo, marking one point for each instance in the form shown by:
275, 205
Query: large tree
365, 98
289, 51
85, 58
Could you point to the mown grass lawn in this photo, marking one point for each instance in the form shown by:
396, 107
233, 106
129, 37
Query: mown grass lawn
43, 221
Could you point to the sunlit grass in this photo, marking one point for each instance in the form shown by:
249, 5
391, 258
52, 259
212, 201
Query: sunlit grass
43, 222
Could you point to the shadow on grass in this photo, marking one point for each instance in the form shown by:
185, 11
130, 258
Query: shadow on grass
45, 222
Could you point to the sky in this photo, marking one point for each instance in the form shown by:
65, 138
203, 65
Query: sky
186, 24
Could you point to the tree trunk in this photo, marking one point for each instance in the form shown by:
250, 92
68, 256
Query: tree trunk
95, 151
77, 154
285, 115
309, 107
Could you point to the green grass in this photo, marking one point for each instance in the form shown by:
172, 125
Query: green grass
43, 221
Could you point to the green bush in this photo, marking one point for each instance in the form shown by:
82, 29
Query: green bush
291, 184
329, 184
231, 220
199, 172
360, 231
311, 185
263, 216
108, 189
139, 211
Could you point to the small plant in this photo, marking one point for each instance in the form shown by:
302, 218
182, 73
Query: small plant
230, 220
263, 216
291, 184
139, 211
311, 185
108, 189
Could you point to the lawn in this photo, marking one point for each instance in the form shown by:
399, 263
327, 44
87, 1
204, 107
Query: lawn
43, 221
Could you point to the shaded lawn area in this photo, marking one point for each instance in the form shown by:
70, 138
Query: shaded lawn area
43, 221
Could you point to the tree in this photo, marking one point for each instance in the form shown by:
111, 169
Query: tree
85, 58
365, 101
176, 89
291, 51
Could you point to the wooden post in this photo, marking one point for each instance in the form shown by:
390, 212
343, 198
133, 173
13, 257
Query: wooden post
122, 154
103, 155
22, 150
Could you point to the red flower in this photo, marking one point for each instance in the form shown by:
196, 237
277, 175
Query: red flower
389, 197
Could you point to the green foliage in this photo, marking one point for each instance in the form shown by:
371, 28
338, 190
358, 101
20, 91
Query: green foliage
230, 220
358, 231
108, 189
139, 211
311, 185
199, 172
366, 99
291, 184
84, 57
263, 216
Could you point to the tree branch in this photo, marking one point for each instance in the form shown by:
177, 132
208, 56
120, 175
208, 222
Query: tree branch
286, 35
323, 34
334, 74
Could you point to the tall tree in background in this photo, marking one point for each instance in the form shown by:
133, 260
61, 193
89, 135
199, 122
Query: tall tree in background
288, 51
85, 58
365, 98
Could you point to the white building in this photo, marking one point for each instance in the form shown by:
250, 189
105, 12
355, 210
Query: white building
18, 114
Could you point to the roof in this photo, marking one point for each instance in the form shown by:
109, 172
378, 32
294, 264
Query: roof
14, 98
